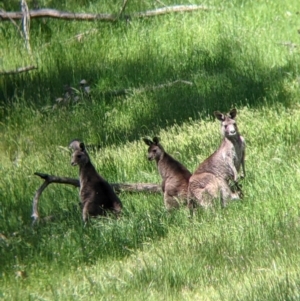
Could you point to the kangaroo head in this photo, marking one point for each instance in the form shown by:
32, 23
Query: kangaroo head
155, 150
228, 124
80, 156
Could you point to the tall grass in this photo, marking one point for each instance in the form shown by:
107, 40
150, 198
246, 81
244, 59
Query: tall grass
234, 55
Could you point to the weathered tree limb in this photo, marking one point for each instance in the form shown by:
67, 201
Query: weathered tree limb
121, 92
136, 187
14, 23
79, 36
118, 187
18, 70
171, 9
26, 24
48, 180
53, 13
122, 9
161, 3
71, 95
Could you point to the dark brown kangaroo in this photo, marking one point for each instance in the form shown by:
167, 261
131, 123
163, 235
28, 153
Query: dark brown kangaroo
96, 195
212, 178
175, 177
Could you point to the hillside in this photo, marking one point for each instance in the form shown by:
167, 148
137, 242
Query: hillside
150, 76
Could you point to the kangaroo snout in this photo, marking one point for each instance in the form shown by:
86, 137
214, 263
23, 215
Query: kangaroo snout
230, 128
232, 132
73, 163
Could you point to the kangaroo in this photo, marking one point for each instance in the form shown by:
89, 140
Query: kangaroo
175, 176
96, 195
213, 175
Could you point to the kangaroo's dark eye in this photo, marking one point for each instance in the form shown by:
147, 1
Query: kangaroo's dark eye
78, 156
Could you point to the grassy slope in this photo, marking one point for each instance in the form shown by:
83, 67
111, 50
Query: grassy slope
248, 251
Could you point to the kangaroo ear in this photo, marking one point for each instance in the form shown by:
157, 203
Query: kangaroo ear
82, 146
220, 116
156, 140
232, 113
75, 144
147, 141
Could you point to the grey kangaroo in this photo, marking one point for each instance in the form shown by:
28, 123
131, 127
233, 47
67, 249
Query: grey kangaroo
213, 176
96, 195
175, 177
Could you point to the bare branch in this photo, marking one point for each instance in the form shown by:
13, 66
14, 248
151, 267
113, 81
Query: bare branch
26, 24
161, 3
118, 187
35, 213
14, 23
48, 180
123, 8
18, 70
136, 187
59, 180
53, 13
122, 92
171, 9
80, 36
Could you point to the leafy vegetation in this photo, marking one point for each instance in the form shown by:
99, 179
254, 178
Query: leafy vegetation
240, 53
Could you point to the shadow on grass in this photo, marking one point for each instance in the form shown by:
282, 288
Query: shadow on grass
220, 81
66, 240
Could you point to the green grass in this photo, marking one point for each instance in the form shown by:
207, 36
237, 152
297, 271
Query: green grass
233, 57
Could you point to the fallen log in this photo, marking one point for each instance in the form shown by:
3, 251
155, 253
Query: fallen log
171, 9
118, 187
53, 13
57, 14
18, 70
122, 92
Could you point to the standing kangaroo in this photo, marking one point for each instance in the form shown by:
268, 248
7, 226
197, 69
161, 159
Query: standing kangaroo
212, 177
96, 195
175, 176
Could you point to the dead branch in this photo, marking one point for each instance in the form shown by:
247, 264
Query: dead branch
53, 13
26, 24
123, 8
14, 23
288, 44
80, 36
118, 187
161, 3
171, 9
18, 70
136, 187
123, 92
